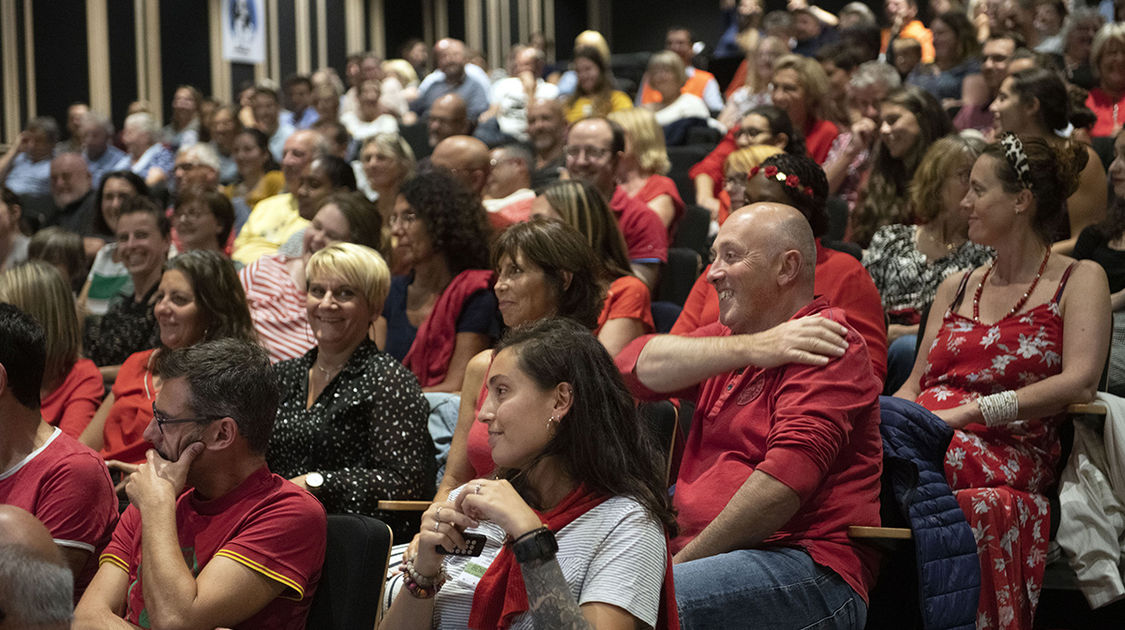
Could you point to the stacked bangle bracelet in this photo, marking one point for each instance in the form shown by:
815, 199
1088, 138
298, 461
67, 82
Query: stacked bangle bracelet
999, 408
421, 586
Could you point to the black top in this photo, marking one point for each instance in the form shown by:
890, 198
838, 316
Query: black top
1092, 245
367, 433
128, 326
478, 315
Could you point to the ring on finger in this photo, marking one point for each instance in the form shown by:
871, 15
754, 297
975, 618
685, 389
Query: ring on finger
437, 515
478, 489
437, 524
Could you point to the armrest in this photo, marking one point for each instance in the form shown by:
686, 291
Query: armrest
861, 532
404, 506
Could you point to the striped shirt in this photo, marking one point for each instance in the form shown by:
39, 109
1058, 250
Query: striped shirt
277, 307
614, 554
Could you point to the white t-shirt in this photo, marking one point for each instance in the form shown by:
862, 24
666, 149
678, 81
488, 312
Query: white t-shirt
360, 130
512, 116
614, 554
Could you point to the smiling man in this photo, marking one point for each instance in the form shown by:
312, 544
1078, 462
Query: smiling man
243, 547
784, 452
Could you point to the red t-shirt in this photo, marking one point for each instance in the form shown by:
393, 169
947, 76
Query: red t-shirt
627, 297
819, 135
813, 428
645, 236
73, 403
66, 486
657, 185
266, 524
133, 395
840, 278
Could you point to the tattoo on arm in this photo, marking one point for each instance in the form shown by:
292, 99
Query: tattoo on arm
549, 600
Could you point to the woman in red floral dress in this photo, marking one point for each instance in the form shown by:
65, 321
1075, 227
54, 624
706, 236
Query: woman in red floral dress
995, 368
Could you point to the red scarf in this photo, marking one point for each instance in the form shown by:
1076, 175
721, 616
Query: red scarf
500, 595
433, 344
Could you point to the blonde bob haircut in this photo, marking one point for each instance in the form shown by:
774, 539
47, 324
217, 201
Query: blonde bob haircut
594, 40
742, 160
39, 290
670, 61
941, 161
394, 146
812, 78
646, 137
1110, 32
359, 266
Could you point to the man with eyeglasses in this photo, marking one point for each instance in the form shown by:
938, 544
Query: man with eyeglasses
593, 151
242, 547
61, 482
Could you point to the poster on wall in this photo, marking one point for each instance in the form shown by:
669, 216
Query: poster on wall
244, 31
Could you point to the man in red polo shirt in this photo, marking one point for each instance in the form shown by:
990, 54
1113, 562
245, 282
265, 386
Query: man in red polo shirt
243, 547
784, 452
593, 151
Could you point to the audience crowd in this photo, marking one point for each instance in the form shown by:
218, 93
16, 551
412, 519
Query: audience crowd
422, 279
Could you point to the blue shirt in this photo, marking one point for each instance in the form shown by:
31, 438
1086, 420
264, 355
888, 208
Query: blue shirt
277, 140
308, 117
104, 164
29, 178
471, 91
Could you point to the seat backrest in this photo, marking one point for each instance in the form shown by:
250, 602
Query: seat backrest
662, 419
678, 276
692, 230
355, 569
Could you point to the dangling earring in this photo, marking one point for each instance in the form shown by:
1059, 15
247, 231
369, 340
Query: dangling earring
550, 420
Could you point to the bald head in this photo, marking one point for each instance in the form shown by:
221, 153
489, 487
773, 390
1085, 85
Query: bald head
70, 179
448, 116
765, 257
20, 527
449, 54
546, 126
466, 157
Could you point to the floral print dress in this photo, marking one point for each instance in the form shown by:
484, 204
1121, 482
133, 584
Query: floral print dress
1000, 474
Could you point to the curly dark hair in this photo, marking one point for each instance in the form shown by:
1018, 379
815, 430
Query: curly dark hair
454, 219
811, 175
601, 442
139, 185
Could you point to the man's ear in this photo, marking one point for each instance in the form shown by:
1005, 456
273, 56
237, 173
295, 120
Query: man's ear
224, 431
789, 268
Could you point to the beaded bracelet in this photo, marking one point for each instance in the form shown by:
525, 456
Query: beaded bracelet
418, 585
998, 409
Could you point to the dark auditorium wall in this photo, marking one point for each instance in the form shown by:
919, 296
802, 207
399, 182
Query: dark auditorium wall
61, 67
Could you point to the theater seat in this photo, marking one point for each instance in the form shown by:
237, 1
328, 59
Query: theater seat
355, 568
692, 230
678, 276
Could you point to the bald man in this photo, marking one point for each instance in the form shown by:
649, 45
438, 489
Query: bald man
784, 452
453, 76
36, 588
467, 158
546, 128
448, 117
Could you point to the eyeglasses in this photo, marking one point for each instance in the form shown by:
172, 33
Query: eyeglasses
162, 420
593, 153
190, 213
406, 219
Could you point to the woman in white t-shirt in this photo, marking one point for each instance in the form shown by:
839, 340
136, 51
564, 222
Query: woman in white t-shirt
572, 525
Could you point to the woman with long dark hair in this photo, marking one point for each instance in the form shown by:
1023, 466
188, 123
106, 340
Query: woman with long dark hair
578, 483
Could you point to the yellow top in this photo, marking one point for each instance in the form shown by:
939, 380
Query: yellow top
269, 225
583, 106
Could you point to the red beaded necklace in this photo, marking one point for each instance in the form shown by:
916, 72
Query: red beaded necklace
1023, 300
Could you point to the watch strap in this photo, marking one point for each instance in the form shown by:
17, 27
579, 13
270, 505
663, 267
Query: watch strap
538, 544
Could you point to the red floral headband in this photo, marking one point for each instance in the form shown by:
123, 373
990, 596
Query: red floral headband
792, 181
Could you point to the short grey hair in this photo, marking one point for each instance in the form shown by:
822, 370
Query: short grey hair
45, 124
873, 72
861, 10
518, 152
203, 153
33, 590
94, 118
143, 121
1113, 31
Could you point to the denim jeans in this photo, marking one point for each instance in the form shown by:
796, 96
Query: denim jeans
900, 361
778, 588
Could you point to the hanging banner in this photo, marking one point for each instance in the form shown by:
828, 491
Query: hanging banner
244, 31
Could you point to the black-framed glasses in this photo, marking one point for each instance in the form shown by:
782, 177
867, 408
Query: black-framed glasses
162, 420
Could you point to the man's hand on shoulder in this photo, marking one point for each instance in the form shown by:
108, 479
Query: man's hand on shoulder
812, 340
